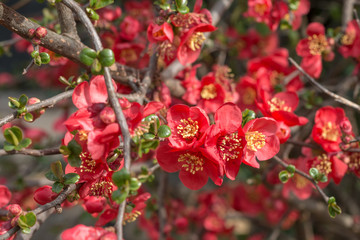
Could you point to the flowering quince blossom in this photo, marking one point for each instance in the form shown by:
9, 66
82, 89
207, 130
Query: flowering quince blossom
261, 140
82, 232
350, 41
44, 195
313, 48
212, 94
5, 196
327, 131
295, 16
225, 140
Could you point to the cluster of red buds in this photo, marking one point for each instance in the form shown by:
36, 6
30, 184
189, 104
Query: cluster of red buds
36, 35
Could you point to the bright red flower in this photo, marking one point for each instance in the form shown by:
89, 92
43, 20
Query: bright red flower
94, 204
247, 90
350, 41
82, 232
261, 140
195, 168
5, 196
313, 48
160, 33
44, 195
187, 124
191, 84
225, 140
130, 28
326, 130
296, 15
212, 94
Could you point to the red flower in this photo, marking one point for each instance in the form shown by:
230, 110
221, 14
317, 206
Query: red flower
225, 140
82, 232
261, 140
94, 204
130, 28
351, 40
313, 48
195, 168
187, 125
247, 90
303, 9
44, 195
191, 42
249, 199
156, 33
5, 196
326, 130
212, 94
191, 84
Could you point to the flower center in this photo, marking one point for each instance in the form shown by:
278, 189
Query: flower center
102, 188
330, 132
208, 92
278, 105
230, 147
249, 96
128, 55
348, 38
167, 50
196, 40
159, 33
188, 128
354, 163
255, 140
191, 163
83, 135
260, 8
276, 78
323, 164
317, 44
300, 181
87, 163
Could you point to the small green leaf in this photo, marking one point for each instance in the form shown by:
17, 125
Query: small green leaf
8, 147
96, 68
64, 150
149, 144
87, 56
27, 221
26, 230
134, 184
74, 147
74, 160
23, 100
121, 177
106, 57
71, 178
97, 4
57, 187
148, 136
164, 131
23, 144
57, 170
13, 103
284, 176
323, 178
34, 54
314, 172
13, 135
50, 175
331, 200
291, 168
28, 117
45, 58
119, 196
247, 115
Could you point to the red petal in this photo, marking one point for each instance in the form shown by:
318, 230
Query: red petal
81, 95
167, 157
315, 28
228, 117
193, 181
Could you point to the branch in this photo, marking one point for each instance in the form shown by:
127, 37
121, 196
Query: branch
48, 103
347, 13
285, 165
32, 152
61, 198
113, 101
324, 90
67, 21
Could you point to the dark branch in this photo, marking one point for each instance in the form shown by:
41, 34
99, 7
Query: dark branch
67, 21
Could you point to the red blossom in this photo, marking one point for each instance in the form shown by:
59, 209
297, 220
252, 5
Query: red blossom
212, 94
156, 33
5, 196
44, 195
350, 41
82, 232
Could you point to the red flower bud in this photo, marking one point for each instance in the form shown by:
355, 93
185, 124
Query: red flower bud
345, 126
95, 204
107, 115
40, 32
36, 41
44, 195
31, 33
14, 209
36, 114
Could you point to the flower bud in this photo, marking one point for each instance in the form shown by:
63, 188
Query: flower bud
31, 33
94, 204
14, 209
44, 195
40, 32
107, 115
36, 41
345, 126
36, 114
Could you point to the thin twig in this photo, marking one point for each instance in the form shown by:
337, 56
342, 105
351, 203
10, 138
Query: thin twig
75, 7
60, 199
324, 90
9, 42
32, 152
282, 163
48, 103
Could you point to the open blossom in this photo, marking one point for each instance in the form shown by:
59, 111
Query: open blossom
261, 140
327, 131
212, 94
225, 140
82, 232
350, 41
313, 49
160, 33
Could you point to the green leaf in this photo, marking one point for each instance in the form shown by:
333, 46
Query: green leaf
331, 200
13, 135
164, 131
27, 221
314, 172
57, 170
148, 136
74, 160
134, 184
64, 150
71, 178
45, 58
290, 168
23, 144
247, 115
74, 147
119, 196
8, 147
149, 144
121, 177
87, 56
28, 117
57, 187
50, 175
23, 99
284, 176
34, 54
26, 230
13, 102
97, 4
323, 178
106, 57
96, 68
